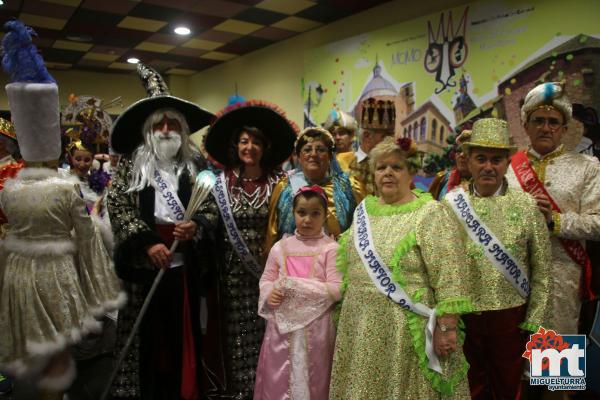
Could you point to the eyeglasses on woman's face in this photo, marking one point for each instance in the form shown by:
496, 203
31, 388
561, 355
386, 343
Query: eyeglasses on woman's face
310, 149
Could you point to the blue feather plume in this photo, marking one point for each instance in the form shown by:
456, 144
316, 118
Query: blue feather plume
20, 58
548, 91
334, 115
235, 99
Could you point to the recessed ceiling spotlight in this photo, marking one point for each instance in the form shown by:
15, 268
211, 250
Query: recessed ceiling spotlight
78, 38
133, 60
182, 30
1, 2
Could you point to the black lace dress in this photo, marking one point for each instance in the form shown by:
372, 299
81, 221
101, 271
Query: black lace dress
238, 328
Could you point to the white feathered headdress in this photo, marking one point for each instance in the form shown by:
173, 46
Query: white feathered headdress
550, 94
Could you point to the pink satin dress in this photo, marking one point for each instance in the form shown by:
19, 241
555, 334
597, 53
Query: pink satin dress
297, 350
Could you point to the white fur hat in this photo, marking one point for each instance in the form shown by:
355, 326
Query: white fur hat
547, 94
339, 118
35, 113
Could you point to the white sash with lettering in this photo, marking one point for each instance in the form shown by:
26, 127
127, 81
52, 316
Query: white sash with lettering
169, 195
494, 250
235, 238
383, 281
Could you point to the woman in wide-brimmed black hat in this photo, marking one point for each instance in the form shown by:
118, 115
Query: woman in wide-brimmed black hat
250, 139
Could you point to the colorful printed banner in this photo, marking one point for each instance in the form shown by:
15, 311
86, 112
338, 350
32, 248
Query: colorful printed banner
444, 69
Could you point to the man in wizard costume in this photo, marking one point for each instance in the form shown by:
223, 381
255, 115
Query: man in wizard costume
149, 195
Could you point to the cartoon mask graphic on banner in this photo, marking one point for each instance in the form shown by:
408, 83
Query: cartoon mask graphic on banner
447, 50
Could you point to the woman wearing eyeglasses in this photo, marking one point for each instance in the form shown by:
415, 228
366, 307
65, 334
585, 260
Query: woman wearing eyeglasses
318, 166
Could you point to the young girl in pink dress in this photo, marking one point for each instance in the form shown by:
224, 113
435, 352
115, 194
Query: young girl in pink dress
298, 288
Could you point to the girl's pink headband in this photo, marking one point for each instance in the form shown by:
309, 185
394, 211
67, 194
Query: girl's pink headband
314, 189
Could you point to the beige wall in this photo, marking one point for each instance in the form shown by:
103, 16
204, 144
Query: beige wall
105, 86
273, 73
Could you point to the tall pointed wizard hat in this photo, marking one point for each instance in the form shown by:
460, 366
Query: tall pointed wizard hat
127, 132
32, 96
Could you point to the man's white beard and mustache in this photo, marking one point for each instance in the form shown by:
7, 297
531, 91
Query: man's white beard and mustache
166, 146
160, 151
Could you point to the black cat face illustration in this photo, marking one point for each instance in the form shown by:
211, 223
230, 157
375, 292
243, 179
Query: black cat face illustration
446, 52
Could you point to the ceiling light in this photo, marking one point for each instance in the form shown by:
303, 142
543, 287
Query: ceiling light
78, 38
182, 30
133, 60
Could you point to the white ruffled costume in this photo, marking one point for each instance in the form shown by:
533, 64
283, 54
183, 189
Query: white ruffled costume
55, 273
52, 284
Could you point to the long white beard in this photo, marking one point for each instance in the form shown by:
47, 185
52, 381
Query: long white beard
166, 146
158, 152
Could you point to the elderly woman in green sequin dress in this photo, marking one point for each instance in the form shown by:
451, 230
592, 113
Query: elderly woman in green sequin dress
399, 331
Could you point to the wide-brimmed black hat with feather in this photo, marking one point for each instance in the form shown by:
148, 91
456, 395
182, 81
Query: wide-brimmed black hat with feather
127, 132
267, 117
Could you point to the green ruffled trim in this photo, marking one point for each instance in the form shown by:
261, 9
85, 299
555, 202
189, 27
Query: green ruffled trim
341, 260
417, 328
454, 306
528, 326
403, 247
341, 263
417, 335
375, 208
